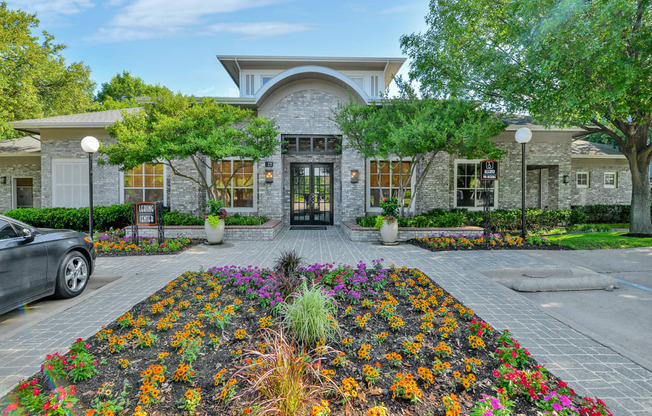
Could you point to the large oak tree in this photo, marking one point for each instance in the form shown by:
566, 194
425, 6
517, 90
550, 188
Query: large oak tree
573, 62
35, 80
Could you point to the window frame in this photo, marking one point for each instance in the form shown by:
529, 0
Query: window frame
494, 184
252, 209
577, 180
604, 180
165, 181
312, 138
262, 79
377, 210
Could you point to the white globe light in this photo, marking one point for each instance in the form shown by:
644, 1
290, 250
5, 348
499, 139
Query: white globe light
90, 144
523, 135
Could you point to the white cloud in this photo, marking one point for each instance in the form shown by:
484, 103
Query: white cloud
51, 9
148, 19
260, 29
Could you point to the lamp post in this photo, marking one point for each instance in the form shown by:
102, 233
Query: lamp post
523, 135
90, 145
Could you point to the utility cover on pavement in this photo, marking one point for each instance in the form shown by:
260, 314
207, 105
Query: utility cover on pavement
551, 279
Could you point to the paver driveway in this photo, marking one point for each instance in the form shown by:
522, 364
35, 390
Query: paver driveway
588, 366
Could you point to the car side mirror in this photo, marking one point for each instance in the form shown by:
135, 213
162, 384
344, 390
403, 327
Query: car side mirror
28, 235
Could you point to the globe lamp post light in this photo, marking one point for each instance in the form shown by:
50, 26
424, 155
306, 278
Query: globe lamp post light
523, 136
90, 145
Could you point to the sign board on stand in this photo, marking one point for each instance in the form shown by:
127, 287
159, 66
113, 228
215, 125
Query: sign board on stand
489, 170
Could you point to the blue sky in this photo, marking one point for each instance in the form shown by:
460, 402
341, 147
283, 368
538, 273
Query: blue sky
174, 42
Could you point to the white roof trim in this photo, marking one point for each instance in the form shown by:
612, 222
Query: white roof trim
300, 71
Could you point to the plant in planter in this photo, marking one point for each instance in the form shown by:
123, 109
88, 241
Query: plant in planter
388, 223
214, 224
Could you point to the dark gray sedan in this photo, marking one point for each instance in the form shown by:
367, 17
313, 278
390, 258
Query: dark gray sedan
38, 262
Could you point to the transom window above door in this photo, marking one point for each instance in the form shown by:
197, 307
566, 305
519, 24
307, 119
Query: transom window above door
311, 144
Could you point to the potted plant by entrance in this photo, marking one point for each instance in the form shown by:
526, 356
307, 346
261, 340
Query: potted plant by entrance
214, 224
388, 223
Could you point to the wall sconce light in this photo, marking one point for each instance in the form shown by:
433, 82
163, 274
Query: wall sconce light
3, 180
355, 176
566, 179
269, 176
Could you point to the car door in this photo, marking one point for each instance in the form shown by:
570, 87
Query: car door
23, 267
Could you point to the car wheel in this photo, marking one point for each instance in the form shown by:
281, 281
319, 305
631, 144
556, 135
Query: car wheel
72, 275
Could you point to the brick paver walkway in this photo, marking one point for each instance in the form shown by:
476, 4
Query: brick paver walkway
589, 367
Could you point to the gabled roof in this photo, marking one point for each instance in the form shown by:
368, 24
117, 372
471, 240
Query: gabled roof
23, 146
234, 64
96, 119
586, 149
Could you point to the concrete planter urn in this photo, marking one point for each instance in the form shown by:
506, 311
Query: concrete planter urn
214, 233
389, 232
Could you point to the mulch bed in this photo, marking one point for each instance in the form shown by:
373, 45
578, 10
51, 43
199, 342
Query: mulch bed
188, 307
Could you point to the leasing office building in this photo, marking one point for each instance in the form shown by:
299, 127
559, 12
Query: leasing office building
311, 179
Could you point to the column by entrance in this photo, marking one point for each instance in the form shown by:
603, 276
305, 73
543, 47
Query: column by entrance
311, 194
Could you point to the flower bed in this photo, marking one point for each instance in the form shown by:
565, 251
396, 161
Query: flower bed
117, 243
211, 342
485, 242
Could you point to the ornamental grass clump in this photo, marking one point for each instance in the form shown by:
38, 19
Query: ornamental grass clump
285, 380
309, 316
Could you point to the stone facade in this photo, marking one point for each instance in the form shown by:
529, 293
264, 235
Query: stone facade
306, 107
19, 167
304, 104
597, 193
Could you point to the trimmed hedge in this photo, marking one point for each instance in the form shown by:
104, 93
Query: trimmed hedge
113, 216
504, 220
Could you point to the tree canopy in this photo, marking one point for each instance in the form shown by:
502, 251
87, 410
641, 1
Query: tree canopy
35, 80
407, 128
174, 128
122, 91
579, 63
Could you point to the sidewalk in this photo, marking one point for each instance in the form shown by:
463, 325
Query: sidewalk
588, 366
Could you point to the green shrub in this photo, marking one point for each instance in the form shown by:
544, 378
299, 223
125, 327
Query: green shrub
113, 216
310, 315
237, 219
179, 218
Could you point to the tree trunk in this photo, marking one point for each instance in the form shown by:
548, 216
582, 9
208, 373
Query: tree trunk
640, 210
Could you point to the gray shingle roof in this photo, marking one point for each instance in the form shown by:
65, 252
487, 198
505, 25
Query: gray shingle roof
583, 147
27, 144
96, 119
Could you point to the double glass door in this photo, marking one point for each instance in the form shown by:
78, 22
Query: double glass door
311, 194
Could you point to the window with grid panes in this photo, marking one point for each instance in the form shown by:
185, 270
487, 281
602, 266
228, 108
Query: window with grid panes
144, 183
235, 182
384, 181
470, 189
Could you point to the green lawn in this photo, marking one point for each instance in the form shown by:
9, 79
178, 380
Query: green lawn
597, 241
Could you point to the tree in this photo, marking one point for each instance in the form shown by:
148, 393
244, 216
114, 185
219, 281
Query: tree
581, 63
410, 129
122, 91
172, 129
35, 80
